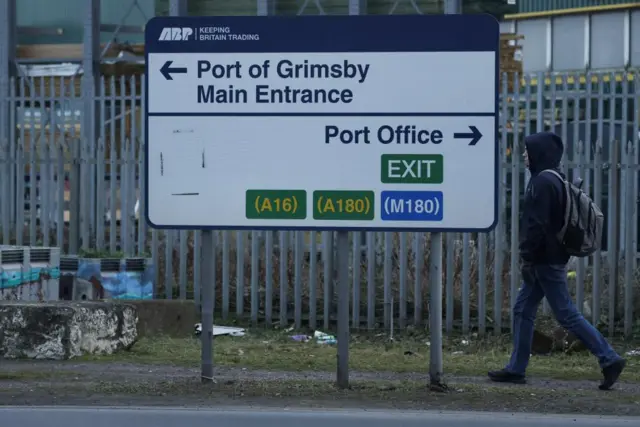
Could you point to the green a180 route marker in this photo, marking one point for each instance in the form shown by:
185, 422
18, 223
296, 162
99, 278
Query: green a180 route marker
354, 205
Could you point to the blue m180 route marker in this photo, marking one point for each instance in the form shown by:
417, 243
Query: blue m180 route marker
245, 115
412, 206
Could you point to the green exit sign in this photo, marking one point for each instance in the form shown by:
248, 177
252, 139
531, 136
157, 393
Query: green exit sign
412, 169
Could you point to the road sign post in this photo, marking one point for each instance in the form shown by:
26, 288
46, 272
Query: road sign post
388, 124
436, 368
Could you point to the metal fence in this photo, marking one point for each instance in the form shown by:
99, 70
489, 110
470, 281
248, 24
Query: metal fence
287, 277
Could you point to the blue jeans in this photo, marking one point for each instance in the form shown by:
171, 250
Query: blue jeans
550, 281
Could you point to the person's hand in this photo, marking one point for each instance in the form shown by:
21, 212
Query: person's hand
526, 270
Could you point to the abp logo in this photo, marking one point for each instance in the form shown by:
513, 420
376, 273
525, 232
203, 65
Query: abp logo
175, 34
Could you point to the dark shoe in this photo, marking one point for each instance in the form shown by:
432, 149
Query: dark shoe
611, 374
504, 376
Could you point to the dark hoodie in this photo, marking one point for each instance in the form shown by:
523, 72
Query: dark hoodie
545, 199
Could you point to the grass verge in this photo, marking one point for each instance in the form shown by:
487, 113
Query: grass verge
277, 351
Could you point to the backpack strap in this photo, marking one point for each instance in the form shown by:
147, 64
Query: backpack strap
567, 209
556, 174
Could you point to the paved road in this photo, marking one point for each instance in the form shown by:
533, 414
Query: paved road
244, 417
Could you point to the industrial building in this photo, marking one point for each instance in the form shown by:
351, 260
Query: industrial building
599, 38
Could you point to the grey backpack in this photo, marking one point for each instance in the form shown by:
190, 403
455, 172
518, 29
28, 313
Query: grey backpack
581, 234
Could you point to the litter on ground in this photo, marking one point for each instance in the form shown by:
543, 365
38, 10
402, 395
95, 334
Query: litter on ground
221, 330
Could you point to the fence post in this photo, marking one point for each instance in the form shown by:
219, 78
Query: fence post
629, 250
90, 133
7, 72
612, 247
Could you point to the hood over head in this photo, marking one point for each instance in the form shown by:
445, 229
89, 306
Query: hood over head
544, 150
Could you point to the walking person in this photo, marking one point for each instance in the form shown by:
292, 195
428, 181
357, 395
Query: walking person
544, 257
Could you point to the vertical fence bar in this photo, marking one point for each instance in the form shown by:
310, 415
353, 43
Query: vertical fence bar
100, 169
598, 173
35, 203
19, 171
597, 256
500, 227
91, 150
540, 98
297, 280
402, 291
5, 198
155, 257
327, 272
482, 284
214, 268
255, 276
553, 95
466, 286
388, 250
636, 146
142, 222
356, 271
62, 177
225, 274
113, 167
7, 104
627, 199
566, 96
31, 155
313, 282
130, 195
284, 277
240, 240
527, 119
168, 264
328, 256
623, 104
581, 267
20, 195
371, 279
184, 254
449, 280
134, 193
8, 43
268, 267
11, 167
418, 255
198, 260
515, 199
629, 251
612, 247
123, 184
579, 159
10, 202
587, 172
46, 194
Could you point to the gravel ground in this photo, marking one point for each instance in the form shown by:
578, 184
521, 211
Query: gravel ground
122, 384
